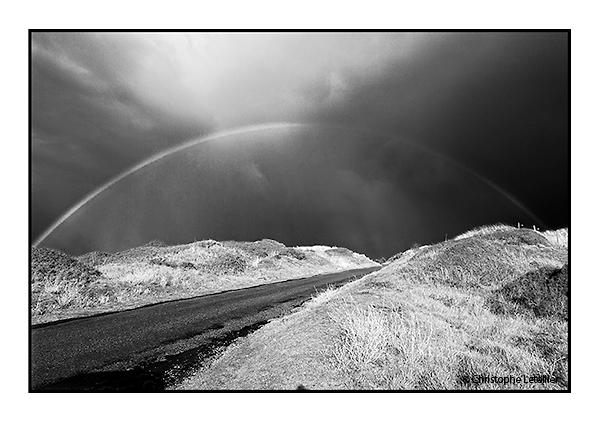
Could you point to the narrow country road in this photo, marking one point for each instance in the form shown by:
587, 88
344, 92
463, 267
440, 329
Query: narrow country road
143, 349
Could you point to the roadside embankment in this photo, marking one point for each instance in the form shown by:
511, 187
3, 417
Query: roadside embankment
486, 310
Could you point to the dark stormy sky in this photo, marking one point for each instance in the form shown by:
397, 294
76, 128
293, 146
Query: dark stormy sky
372, 141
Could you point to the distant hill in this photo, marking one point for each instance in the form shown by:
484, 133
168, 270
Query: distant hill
64, 286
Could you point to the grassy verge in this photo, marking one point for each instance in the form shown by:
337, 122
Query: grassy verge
64, 286
487, 310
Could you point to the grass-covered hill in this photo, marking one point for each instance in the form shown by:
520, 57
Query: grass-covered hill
486, 310
63, 286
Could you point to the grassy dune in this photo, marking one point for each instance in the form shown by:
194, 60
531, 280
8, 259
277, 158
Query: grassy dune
64, 286
486, 310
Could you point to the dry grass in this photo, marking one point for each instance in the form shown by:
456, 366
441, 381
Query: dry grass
383, 348
63, 286
483, 230
483, 311
432, 338
490, 304
557, 237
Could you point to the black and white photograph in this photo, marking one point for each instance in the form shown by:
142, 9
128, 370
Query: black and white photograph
299, 211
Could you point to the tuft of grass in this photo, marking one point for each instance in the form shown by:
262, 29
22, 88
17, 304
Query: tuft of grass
61, 291
558, 238
324, 296
385, 348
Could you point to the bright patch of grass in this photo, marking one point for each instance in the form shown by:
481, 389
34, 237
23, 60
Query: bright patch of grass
64, 286
483, 230
488, 310
457, 314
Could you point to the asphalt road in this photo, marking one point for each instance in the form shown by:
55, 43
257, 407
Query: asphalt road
146, 348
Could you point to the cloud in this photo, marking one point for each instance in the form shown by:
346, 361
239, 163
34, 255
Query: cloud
89, 122
494, 102
307, 184
102, 102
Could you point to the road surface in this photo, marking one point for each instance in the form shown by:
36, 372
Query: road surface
147, 348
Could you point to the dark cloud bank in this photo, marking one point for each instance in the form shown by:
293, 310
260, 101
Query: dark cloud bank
400, 133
